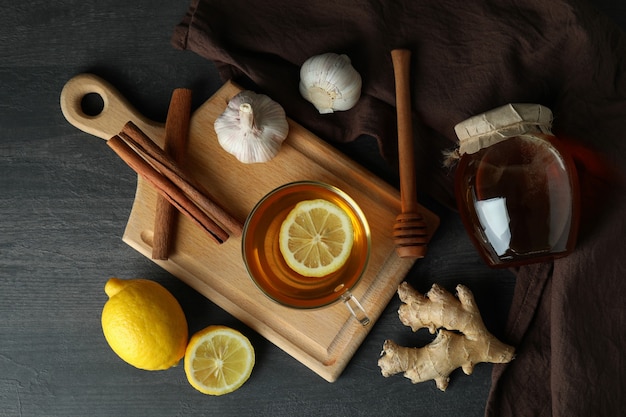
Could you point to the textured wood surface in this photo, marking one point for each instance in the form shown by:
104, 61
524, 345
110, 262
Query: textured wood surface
64, 202
322, 339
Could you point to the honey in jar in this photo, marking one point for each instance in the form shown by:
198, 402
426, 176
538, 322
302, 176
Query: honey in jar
516, 186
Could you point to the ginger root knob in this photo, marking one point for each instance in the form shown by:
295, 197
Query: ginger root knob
462, 339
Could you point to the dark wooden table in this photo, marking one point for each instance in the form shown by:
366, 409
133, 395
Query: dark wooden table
64, 202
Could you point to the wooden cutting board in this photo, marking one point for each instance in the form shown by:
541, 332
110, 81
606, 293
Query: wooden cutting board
323, 339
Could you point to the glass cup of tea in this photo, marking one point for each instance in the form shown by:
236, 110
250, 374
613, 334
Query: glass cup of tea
271, 273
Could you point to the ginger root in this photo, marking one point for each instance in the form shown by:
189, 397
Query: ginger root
462, 341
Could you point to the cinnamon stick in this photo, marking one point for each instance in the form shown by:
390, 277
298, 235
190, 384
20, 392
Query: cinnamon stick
166, 188
176, 133
133, 136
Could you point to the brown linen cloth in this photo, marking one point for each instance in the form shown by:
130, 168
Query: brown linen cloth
568, 317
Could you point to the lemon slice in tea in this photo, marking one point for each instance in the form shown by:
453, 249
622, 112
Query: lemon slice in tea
316, 238
218, 360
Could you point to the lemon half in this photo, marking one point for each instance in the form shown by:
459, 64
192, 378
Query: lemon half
218, 360
316, 238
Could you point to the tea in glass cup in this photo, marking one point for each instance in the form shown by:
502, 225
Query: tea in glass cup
266, 264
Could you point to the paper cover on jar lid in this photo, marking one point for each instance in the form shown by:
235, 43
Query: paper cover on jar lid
501, 123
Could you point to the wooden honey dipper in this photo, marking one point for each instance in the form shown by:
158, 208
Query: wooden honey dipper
409, 233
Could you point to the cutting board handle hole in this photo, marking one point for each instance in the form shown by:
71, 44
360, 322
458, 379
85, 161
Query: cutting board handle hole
92, 104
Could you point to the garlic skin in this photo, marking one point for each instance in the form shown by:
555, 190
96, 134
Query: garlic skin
330, 82
252, 127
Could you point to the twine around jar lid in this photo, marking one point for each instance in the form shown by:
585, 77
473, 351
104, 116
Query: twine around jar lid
499, 124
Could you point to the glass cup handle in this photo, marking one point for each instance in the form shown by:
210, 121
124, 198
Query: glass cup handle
356, 309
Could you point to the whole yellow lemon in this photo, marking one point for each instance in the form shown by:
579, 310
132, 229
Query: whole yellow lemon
144, 324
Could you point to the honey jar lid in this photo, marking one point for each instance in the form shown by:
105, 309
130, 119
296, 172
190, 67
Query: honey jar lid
502, 123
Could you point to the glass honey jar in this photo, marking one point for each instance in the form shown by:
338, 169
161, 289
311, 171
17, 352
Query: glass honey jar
516, 186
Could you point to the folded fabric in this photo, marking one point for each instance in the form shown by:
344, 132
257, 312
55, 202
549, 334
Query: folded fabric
567, 318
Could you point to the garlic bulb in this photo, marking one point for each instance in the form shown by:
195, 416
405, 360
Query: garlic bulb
252, 128
330, 82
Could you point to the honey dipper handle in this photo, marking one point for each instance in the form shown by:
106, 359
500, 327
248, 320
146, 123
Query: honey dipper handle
410, 234
401, 59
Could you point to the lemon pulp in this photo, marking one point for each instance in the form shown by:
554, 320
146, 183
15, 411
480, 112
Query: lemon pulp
218, 360
316, 238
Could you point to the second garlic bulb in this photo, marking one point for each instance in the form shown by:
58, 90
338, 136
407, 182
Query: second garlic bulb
330, 82
252, 128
